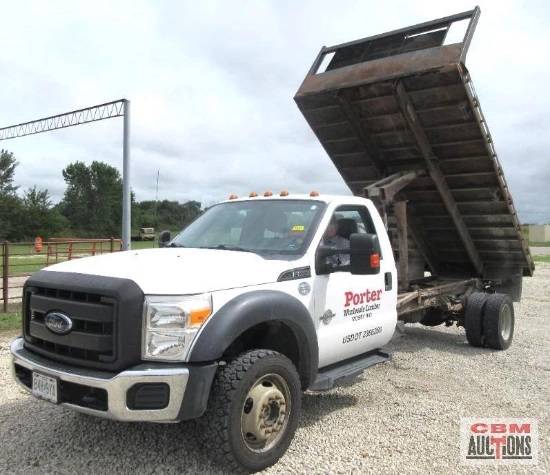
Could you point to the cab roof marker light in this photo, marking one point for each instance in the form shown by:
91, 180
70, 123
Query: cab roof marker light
253, 194
313, 193
268, 193
283, 193
233, 196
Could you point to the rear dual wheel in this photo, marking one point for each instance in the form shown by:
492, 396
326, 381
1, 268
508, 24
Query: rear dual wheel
489, 320
473, 318
498, 322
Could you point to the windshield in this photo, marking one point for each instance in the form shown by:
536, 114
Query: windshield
263, 226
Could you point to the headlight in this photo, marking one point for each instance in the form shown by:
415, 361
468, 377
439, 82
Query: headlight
171, 323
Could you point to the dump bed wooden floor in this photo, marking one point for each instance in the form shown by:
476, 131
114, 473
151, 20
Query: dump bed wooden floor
405, 101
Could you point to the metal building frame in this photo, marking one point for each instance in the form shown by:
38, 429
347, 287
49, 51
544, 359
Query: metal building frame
108, 110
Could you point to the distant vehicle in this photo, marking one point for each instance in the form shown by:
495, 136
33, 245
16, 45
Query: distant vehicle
146, 234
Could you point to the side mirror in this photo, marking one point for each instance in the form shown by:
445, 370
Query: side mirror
321, 266
365, 254
164, 238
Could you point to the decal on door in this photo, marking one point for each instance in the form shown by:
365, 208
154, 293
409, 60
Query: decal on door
360, 306
360, 335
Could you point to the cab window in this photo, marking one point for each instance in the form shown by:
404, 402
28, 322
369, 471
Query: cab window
345, 221
274, 227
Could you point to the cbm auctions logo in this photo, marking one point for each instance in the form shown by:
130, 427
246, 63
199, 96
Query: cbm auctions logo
498, 441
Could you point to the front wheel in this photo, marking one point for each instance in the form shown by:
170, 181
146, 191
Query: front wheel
253, 410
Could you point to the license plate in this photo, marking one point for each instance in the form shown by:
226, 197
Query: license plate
44, 387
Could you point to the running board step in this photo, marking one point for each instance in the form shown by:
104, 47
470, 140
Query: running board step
340, 373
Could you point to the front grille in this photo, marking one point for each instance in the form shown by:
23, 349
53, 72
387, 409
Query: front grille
92, 337
106, 312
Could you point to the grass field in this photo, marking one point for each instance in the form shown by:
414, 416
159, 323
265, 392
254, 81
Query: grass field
23, 259
10, 321
144, 244
19, 265
541, 258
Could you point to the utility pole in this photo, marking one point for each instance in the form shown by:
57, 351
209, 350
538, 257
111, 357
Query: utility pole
157, 201
126, 190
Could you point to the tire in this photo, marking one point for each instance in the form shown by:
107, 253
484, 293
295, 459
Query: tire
499, 321
235, 427
473, 318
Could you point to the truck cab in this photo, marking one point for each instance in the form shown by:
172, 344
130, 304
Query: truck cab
272, 295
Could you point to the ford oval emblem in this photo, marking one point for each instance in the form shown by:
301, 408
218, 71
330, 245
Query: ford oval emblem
58, 323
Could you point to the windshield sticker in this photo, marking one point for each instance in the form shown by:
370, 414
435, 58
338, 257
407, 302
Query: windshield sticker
298, 228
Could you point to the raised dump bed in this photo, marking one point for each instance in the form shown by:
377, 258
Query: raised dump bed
398, 115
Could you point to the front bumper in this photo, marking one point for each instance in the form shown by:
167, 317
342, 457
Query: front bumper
188, 386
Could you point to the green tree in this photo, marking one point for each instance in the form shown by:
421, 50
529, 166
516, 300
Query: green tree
10, 204
93, 199
166, 214
7, 172
40, 217
11, 212
76, 201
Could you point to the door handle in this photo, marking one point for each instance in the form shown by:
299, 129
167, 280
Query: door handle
388, 280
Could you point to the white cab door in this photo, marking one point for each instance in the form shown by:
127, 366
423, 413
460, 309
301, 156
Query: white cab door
355, 314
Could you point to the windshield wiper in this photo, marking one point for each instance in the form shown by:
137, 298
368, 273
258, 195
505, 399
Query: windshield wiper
173, 244
223, 247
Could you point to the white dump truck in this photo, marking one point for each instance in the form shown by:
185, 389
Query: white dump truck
266, 296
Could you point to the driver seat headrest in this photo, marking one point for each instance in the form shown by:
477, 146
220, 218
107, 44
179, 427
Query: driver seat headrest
346, 227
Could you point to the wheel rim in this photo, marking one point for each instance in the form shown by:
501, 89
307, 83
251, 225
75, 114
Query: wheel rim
506, 322
265, 413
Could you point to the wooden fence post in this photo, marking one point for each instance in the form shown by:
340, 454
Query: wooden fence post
112, 244
70, 251
5, 273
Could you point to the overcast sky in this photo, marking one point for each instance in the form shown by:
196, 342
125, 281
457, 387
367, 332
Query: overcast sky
212, 86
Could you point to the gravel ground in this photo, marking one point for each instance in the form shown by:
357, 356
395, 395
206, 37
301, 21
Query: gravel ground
402, 416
